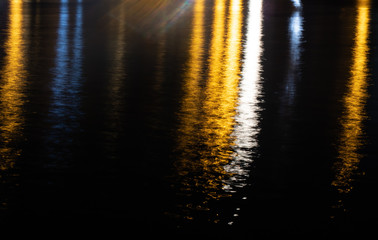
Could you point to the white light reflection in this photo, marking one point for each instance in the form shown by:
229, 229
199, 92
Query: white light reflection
295, 30
247, 117
296, 3
295, 37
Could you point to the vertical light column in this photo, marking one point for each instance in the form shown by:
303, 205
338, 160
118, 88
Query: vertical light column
351, 138
190, 113
61, 74
247, 117
295, 37
65, 112
215, 127
12, 83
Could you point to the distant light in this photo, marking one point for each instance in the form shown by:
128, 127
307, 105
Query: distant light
297, 3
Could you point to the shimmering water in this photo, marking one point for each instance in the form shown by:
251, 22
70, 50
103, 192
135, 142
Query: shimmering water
205, 117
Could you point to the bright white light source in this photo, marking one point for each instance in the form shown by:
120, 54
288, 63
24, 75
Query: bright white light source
296, 3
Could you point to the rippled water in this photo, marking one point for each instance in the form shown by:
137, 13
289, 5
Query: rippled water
247, 118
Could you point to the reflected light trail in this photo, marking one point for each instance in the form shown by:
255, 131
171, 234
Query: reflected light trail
12, 80
204, 141
191, 101
247, 117
76, 62
242, 93
295, 36
62, 62
219, 114
65, 106
249, 88
190, 114
354, 103
295, 31
68, 68
216, 127
78, 41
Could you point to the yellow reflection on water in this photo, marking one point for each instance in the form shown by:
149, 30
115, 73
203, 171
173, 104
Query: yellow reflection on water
11, 89
210, 100
225, 93
354, 101
190, 115
191, 100
216, 127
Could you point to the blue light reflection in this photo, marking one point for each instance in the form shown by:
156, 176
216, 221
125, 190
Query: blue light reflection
65, 110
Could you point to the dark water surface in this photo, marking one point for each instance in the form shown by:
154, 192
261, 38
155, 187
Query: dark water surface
241, 117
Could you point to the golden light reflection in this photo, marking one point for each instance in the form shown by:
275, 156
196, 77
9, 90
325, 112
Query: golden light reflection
354, 102
190, 115
215, 127
209, 105
11, 89
227, 86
